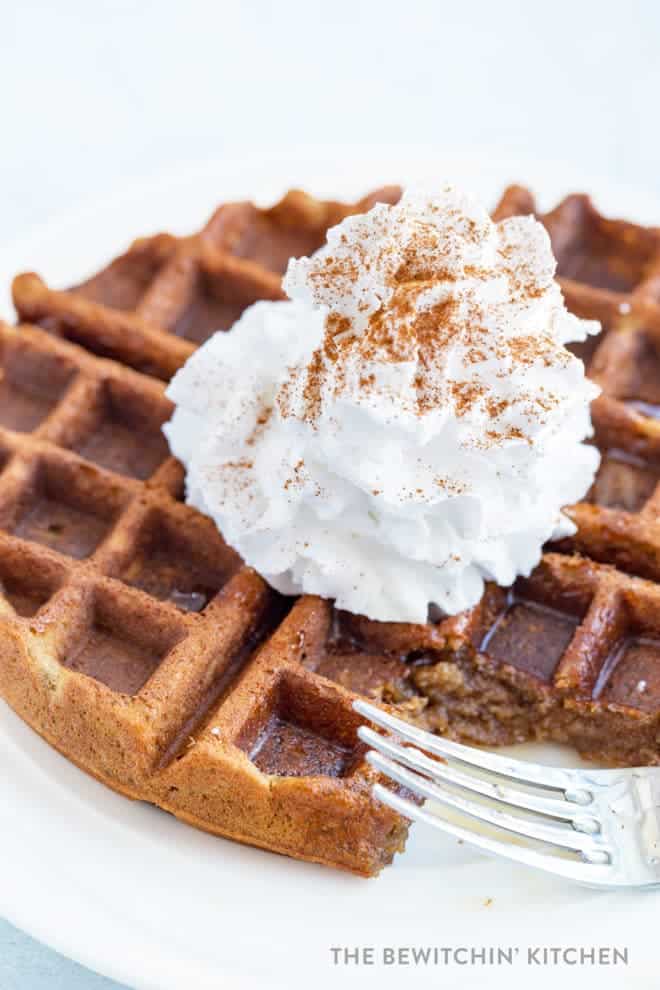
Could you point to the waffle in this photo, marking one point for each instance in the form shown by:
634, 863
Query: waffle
137, 643
151, 307
618, 264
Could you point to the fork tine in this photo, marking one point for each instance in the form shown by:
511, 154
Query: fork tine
548, 778
443, 773
589, 873
562, 836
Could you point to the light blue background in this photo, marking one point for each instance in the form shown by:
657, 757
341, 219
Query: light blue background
98, 95
28, 965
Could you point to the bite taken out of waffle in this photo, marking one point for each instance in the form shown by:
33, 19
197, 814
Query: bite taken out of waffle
136, 642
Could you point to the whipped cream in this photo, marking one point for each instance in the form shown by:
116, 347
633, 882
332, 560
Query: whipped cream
408, 425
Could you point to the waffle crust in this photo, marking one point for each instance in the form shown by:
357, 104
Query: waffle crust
137, 643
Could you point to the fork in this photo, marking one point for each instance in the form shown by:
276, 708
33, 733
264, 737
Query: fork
597, 827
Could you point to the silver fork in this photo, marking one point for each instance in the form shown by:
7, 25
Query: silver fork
597, 827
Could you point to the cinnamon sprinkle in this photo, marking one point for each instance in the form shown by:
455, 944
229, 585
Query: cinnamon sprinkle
428, 311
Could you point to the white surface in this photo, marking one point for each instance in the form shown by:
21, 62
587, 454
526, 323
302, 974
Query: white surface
97, 94
127, 890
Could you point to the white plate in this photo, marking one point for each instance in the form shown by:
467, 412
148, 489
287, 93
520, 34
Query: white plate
132, 893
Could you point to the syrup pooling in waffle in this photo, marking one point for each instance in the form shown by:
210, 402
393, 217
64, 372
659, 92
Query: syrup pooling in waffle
136, 643
571, 654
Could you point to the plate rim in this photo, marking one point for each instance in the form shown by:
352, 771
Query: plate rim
321, 163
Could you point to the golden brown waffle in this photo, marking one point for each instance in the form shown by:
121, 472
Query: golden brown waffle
136, 642
152, 306
610, 270
131, 633
133, 638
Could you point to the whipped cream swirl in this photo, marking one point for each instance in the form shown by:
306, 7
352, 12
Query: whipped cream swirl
408, 425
